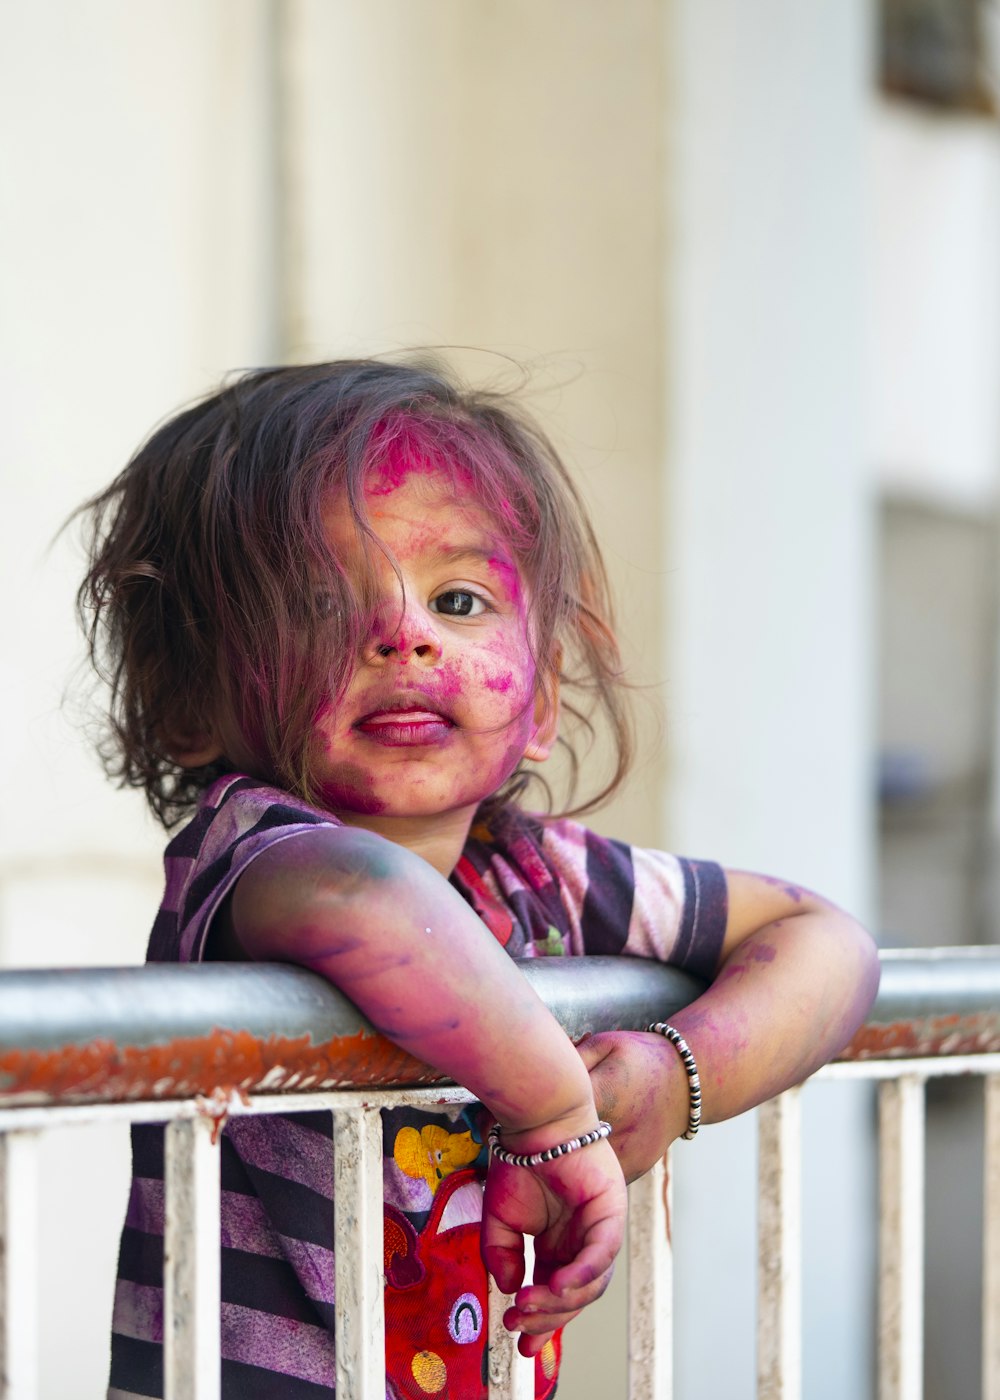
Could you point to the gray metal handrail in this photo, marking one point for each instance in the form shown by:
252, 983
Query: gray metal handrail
164, 1031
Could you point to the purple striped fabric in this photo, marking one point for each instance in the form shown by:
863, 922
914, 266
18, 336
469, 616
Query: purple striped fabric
280, 1344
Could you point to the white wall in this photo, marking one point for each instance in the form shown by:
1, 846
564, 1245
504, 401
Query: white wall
934, 310
769, 553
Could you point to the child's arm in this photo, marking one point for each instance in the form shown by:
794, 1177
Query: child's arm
796, 979
386, 929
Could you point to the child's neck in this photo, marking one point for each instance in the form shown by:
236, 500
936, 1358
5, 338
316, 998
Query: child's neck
438, 840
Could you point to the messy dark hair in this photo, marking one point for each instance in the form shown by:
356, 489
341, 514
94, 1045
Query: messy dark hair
201, 597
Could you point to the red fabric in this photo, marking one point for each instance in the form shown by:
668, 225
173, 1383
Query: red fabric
436, 1319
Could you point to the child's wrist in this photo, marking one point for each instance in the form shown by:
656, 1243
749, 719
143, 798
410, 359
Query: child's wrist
542, 1156
681, 1075
539, 1134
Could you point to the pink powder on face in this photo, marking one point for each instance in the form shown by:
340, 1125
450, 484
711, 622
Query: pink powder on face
507, 576
407, 455
448, 680
500, 683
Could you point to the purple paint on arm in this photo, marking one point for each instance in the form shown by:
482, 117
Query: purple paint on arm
794, 892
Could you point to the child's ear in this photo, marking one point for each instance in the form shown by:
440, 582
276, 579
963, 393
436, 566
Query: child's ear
189, 753
546, 717
192, 748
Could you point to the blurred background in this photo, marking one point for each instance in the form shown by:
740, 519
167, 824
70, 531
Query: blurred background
749, 256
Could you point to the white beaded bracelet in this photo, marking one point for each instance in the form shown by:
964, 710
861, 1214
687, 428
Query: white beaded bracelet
535, 1159
688, 1061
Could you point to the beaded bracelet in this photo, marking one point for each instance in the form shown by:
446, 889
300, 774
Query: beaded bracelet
688, 1061
535, 1159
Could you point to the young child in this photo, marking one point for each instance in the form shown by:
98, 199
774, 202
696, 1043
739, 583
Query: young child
338, 607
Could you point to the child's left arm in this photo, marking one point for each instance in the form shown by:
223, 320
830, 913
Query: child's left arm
796, 979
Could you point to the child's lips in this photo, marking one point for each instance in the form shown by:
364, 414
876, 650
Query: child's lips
401, 727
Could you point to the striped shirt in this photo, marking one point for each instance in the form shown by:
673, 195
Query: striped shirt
543, 888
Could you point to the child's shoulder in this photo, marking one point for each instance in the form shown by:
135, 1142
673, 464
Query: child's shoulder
237, 818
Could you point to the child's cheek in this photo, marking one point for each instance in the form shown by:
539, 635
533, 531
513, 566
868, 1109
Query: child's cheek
450, 683
511, 756
500, 681
506, 670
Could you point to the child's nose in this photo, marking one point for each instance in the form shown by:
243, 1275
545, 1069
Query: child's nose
410, 634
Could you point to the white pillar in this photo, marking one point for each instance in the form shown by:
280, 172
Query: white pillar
768, 579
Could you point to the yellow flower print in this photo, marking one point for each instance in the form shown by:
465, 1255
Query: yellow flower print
433, 1153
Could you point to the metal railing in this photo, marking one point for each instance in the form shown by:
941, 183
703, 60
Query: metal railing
191, 1046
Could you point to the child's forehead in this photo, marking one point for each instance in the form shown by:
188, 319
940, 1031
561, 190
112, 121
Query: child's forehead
419, 513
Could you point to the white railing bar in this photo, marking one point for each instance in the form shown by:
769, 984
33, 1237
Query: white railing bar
19, 1298
779, 1235
901, 1239
650, 1286
511, 1375
991, 1240
235, 1105
926, 1067
191, 1262
359, 1338
45, 1116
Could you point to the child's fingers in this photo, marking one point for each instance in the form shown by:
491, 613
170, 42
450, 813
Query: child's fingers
592, 1050
538, 1301
538, 1323
531, 1346
503, 1254
592, 1263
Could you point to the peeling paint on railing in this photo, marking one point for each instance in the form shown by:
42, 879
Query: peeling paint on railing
211, 1065
977, 1033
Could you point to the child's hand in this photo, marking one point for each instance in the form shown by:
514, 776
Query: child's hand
575, 1207
641, 1089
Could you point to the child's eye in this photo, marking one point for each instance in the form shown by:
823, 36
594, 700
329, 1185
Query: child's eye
458, 602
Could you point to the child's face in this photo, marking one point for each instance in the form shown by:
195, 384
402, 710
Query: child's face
445, 701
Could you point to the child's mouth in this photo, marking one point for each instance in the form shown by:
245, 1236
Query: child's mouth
399, 728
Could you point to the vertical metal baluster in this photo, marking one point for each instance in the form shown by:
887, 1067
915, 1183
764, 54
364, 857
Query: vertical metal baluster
19, 1299
650, 1286
359, 1252
991, 1240
901, 1238
192, 1369
511, 1375
779, 1249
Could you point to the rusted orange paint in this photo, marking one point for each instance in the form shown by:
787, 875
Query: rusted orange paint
226, 1061
975, 1033
212, 1066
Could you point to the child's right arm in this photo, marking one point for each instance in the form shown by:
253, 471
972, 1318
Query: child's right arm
386, 929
